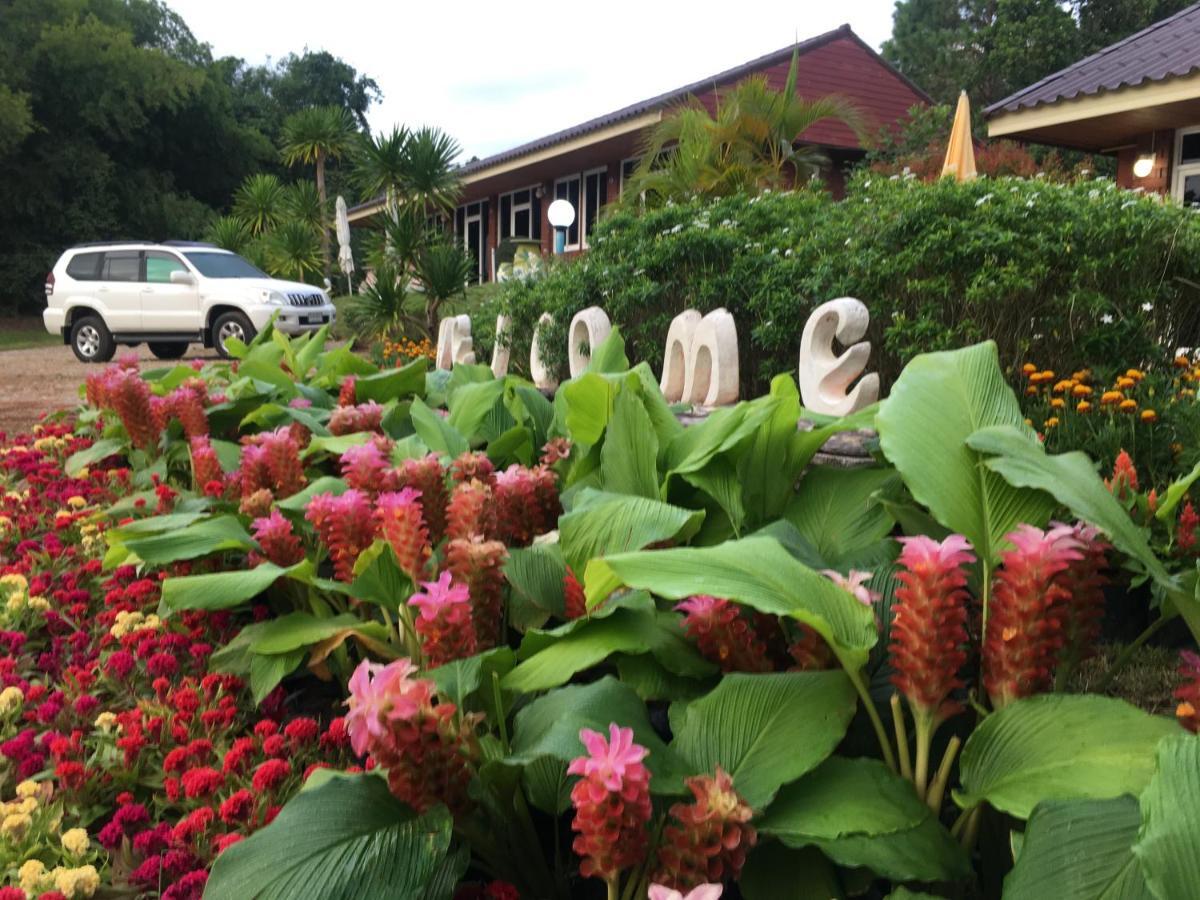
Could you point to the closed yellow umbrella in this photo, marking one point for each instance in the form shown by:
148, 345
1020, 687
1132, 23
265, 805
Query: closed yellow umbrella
960, 155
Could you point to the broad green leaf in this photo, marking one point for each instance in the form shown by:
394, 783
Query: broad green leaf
653, 681
460, 679
88, 456
470, 407
436, 432
719, 479
601, 524
193, 541
924, 853
536, 575
392, 384
530, 407
720, 432
776, 872
337, 444
834, 509
589, 405
1059, 747
1072, 480
765, 730
628, 459
1175, 493
379, 579
260, 370
218, 590
335, 365
1079, 850
299, 629
755, 571
154, 525
267, 670
548, 785
609, 357
348, 839
1168, 845
550, 726
939, 400
326, 484
843, 797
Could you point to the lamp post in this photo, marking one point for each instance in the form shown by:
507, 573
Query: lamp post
561, 215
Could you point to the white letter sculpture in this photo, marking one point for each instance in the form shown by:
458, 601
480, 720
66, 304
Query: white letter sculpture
711, 376
454, 342
542, 379
500, 348
824, 377
590, 326
675, 358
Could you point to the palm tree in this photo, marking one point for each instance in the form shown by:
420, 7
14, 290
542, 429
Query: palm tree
379, 308
259, 203
229, 233
293, 251
381, 165
442, 268
302, 203
411, 170
311, 136
749, 144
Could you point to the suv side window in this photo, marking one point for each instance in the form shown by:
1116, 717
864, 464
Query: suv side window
160, 265
85, 266
122, 265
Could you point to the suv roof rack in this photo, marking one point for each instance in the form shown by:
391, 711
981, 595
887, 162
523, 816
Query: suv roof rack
208, 244
109, 243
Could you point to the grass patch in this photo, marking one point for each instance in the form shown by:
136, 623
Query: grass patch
1148, 680
21, 334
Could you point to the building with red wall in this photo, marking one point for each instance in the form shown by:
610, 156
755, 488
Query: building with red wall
506, 195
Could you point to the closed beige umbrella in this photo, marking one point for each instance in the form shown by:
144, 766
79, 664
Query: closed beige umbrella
960, 155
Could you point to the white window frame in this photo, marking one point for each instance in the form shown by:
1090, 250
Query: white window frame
481, 263
1181, 169
574, 176
583, 177
512, 212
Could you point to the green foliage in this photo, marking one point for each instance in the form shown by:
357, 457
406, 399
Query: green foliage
1168, 844
938, 265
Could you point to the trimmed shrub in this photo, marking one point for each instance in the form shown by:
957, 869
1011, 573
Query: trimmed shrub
1066, 273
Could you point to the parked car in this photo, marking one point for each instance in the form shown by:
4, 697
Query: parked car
170, 295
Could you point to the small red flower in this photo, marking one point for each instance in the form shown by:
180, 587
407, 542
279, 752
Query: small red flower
271, 774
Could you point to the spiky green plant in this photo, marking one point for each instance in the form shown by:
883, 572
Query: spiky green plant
302, 203
443, 269
312, 136
293, 251
229, 233
259, 203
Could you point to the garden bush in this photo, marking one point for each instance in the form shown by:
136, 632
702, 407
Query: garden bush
1064, 273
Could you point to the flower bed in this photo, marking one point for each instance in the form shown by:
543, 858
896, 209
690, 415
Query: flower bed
281, 626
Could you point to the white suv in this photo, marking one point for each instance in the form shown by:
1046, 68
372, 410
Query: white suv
170, 295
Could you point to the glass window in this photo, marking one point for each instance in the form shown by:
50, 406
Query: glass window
85, 266
595, 195
1191, 189
122, 265
628, 167
505, 215
520, 215
568, 189
214, 264
159, 266
1189, 148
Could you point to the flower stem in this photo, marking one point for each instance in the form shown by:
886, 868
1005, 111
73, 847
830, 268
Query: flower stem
612, 887
923, 723
937, 790
901, 730
885, 744
501, 724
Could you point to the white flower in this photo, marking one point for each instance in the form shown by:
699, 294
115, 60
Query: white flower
984, 199
787, 252
678, 228
1147, 307
867, 183
1107, 318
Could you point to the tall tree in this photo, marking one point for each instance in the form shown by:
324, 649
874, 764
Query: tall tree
1104, 22
313, 136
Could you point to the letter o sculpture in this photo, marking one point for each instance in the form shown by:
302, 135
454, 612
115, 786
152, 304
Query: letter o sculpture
538, 371
824, 377
712, 369
590, 326
454, 342
675, 358
501, 352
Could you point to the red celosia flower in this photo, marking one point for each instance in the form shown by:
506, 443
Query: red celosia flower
269, 775
402, 524
427, 476
302, 731
709, 838
12, 893
277, 539
479, 564
1124, 481
1185, 533
612, 803
223, 842
1024, 628
471, 511
345, 524
574, 597
445, 626
237, 808
423, 747
1188, 693
723, 634
201, 782
929, 625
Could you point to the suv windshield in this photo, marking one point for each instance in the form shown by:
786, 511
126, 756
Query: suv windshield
223, 265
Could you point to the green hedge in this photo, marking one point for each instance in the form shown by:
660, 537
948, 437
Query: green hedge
1067, 274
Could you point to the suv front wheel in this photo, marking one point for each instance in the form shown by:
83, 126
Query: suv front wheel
231, 325
91, 340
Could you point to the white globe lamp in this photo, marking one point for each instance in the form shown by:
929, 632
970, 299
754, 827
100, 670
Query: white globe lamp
561, 215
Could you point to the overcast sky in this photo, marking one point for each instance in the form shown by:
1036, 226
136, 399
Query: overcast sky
494, 75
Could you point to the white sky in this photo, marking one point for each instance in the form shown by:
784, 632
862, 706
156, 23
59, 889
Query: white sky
494, 75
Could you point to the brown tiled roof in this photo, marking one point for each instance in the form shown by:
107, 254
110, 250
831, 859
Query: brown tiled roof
674, 96
1167, 49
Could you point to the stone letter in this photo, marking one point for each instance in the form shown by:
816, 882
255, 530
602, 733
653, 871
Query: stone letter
675, 359
454, 342
712, 368
542, 379
590, 326
824, 378
500, 348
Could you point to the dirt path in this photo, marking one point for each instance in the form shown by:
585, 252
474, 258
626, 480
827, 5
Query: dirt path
45, 379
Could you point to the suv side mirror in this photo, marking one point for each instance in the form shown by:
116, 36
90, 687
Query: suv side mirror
179, 276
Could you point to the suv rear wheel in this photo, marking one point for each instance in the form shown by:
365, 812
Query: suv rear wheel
231, 325
168, 349
91, 340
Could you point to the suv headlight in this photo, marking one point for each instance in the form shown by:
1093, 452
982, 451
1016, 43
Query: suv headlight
274, 298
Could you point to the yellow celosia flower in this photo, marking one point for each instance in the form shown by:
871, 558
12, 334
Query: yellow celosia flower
39, 603
28, 788
31, 874
106, 720
81, 882
15, 580
11, 700
76, 502
75, 841
15, 824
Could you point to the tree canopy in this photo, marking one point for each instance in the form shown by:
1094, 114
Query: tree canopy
116, 121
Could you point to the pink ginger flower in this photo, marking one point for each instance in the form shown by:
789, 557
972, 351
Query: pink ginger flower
403, 526
706, 840
186, 403
206, 468
1083, 609
1024, 631
130, 396
346, 526
282, 456
612, 803
1187, 713
378, 694
427, 476
699, 892
367, 468
346, 394
472, 466
929, 624
445, 626
471, 511
574, 598
479, 564
350, 419
855, 584
724, 635
278, 540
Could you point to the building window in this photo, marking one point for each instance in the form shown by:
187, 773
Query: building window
628, 167
568, 189
521, 215
470, 227
587, 192
595, 195
1187, 166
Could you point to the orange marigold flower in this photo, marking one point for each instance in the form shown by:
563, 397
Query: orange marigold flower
1052, 422
1082, 375
1125, 382
1030, 368
1135, 374
1149, 415
1182, 362
1081, 390
1110, 397
1083, 407
1063, 386
1128, 406
1058, 402
1031, 391
1047, 375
